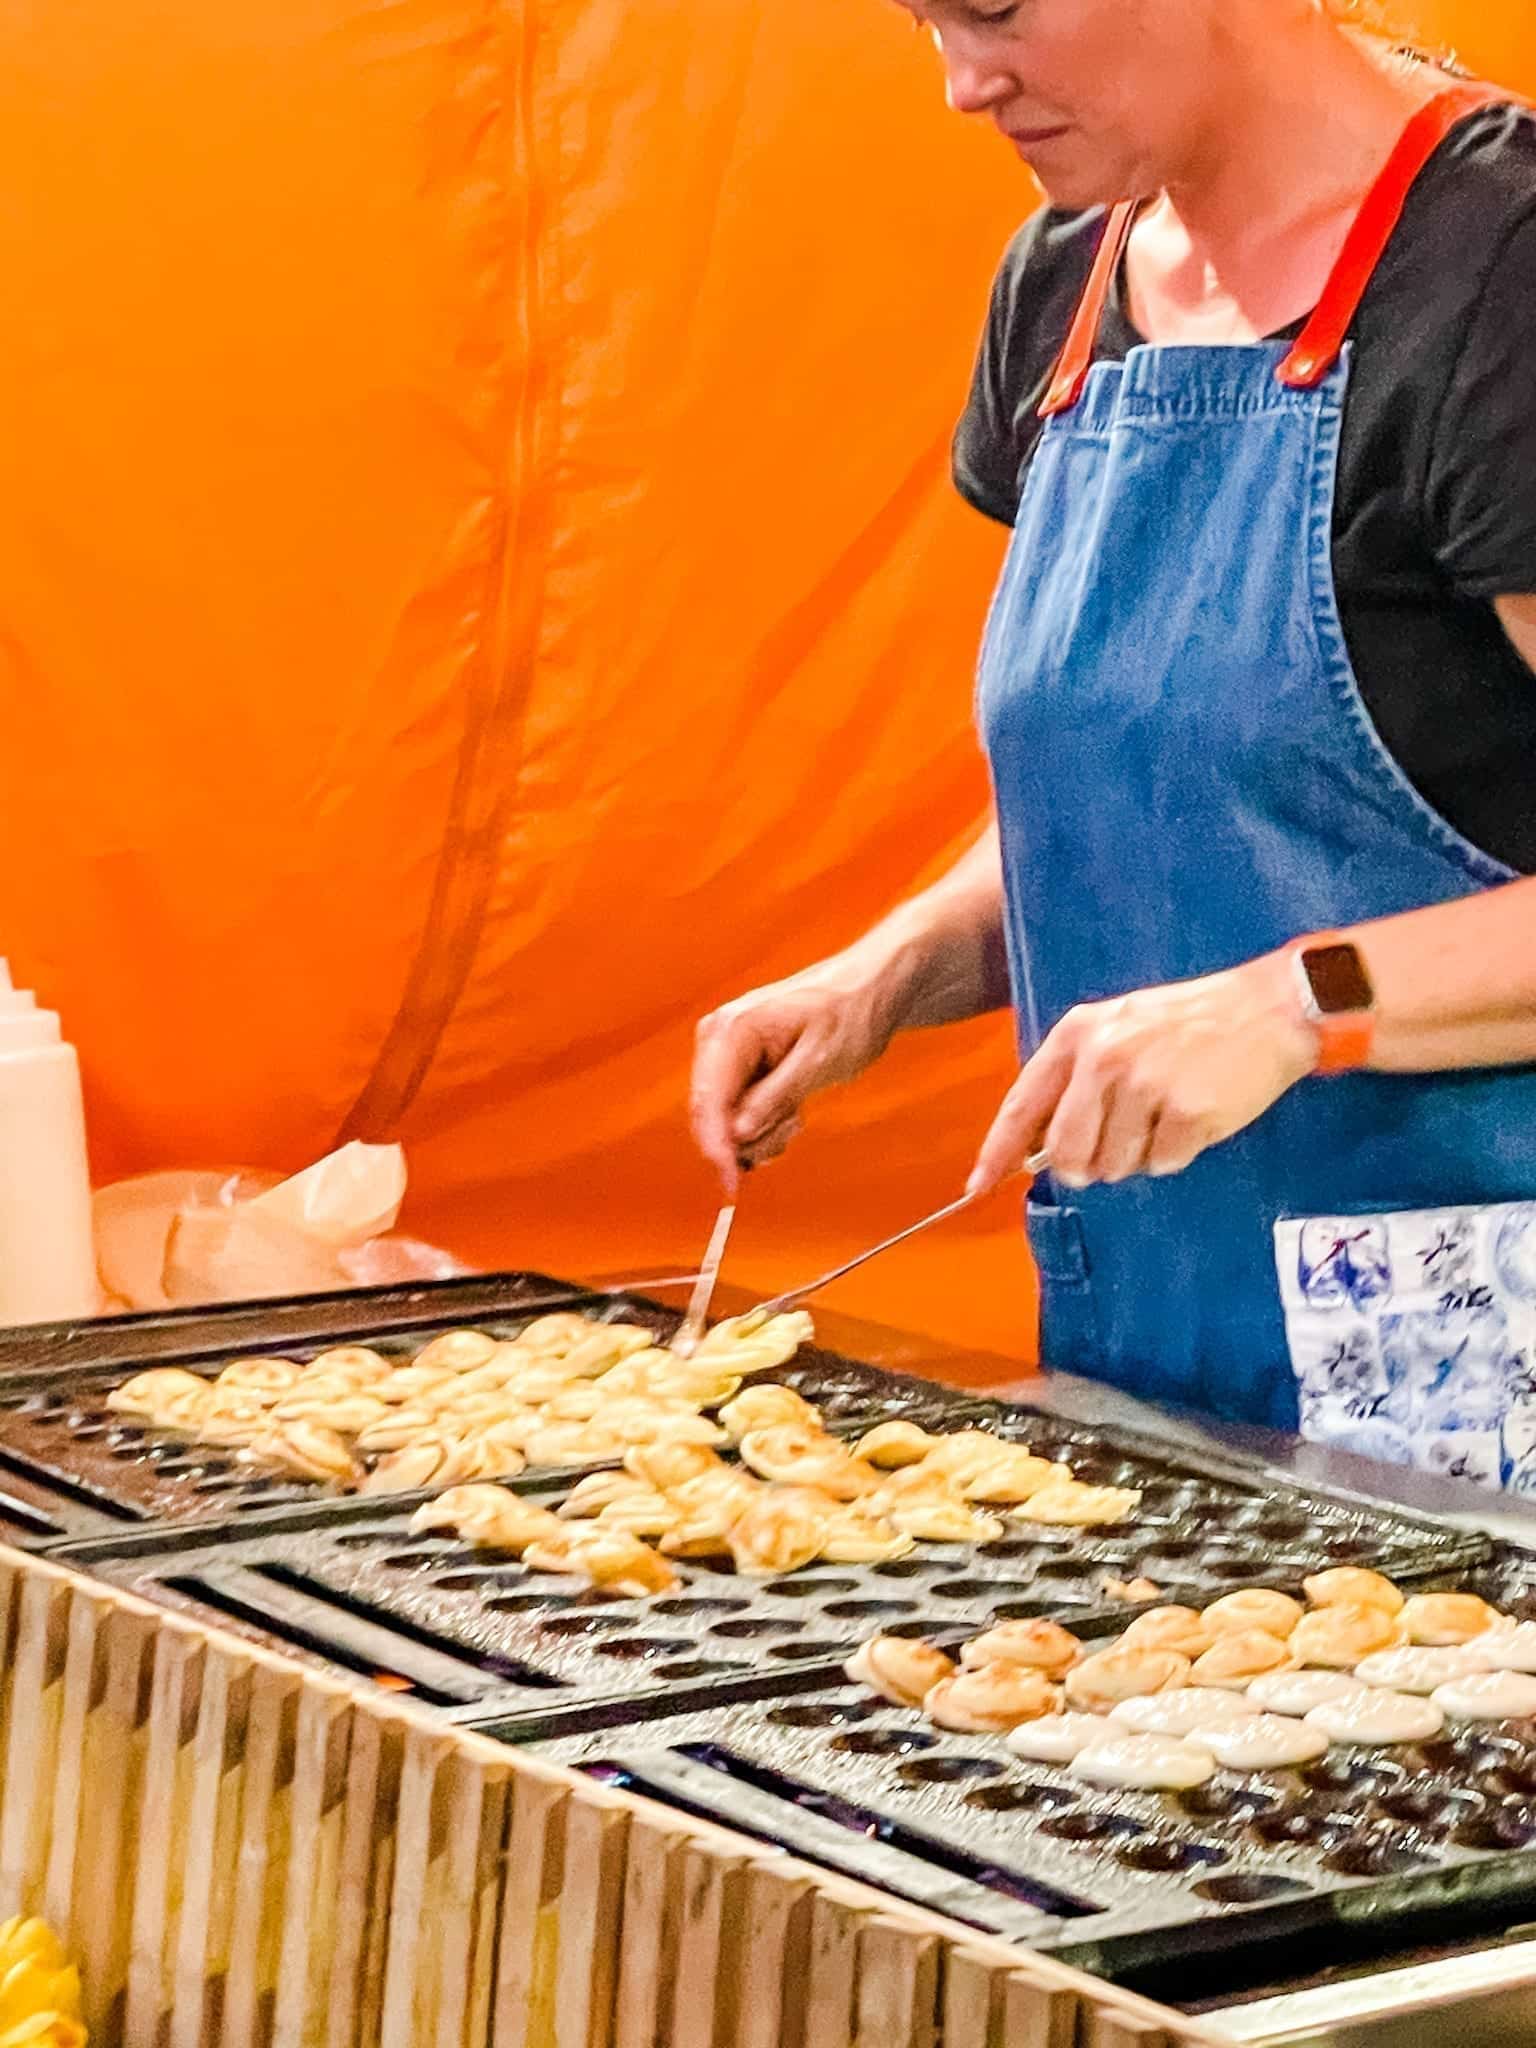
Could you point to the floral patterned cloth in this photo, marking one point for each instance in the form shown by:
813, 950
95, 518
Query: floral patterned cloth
1413, 1337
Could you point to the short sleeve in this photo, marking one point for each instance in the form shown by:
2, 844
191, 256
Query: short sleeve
986, 457
1033, 299
1481, 485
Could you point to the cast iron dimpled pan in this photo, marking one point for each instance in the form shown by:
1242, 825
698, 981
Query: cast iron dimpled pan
59, 1439
475, 1629
1425, 1836
345, 1582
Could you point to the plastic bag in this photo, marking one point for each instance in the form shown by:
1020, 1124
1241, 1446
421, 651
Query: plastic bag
177, 1240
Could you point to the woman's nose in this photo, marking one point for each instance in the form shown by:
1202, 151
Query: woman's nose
971, 87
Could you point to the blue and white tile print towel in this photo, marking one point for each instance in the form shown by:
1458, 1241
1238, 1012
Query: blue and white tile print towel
1413, 1337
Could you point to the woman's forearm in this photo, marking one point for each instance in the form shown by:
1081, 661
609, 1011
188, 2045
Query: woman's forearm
1455, 984
942, 957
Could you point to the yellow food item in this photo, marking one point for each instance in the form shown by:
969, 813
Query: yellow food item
395, 1428
662, 1375
770, 1407
572, 1443
780, 1531
553, 1334
702, 1533
272, 1376
233, 1420
1254, 1607
348, 1413
537, 1382
310, 1450
642, 1514
1445, 1620
659, 1422
458, 1350
489, 1516
913, 1483
889, 1445
607, 1557
1041, 1645
958, 1457
899, 1669
711, 1506
858, 1537
604, 1346
1131, 1591
667, 1466
1169, 1628
944, 1519
1337, 1638
1073, 1505
599, 1490
1240, 1655
414, 1384
494, 1377
356, 1364
1350, 1585
165, 1395
991, 1700
807, 1457
1126, 1672
1017, 1476
749, 1345
440, 1459
39, 1989
577, 1402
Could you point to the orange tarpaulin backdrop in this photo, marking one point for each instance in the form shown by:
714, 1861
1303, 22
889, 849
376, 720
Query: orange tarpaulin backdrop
481, 585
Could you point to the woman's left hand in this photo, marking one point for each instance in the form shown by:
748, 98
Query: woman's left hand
1147, 1082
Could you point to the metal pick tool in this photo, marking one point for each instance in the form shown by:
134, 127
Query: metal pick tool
780, 1302
691, 1329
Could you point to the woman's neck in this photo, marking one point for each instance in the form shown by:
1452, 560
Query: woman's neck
1242, 239
1300, 128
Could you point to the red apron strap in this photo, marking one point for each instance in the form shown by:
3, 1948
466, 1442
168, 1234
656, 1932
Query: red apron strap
1076, 359
1317, 349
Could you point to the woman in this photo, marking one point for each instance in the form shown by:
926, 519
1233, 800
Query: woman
1258, 698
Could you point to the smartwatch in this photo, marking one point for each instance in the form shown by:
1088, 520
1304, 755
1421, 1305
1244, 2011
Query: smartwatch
1337, 1000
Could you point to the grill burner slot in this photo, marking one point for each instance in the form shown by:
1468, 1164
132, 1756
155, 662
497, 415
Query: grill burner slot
1242, 1870
910, 1841
334, 1643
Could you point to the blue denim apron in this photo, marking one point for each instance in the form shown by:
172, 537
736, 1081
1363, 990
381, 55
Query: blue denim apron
1186, 777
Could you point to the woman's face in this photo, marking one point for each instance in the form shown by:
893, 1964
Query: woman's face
1102, 98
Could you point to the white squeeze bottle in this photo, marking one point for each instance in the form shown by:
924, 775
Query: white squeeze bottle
47, 1255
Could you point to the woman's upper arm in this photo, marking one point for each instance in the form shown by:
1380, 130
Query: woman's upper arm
1518, 617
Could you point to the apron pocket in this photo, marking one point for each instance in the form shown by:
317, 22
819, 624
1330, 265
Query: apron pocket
1410, 1334
1069, 1325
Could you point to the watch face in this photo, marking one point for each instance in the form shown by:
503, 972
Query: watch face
1338, 980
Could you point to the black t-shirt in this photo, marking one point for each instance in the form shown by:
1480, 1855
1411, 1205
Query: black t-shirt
1435, 514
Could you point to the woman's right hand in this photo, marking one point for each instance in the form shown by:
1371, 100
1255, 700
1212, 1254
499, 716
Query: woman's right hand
757, 1059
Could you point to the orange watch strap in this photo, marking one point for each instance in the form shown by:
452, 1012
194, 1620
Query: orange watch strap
1344, 1043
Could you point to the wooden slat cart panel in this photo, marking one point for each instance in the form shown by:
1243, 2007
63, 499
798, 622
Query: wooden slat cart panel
245, 1854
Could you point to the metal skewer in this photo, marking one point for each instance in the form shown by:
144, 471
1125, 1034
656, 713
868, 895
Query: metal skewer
691, 1329
792, 1299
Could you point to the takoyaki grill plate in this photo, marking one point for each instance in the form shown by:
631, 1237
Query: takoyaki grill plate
346, 1582
61, 1442
1125, 1884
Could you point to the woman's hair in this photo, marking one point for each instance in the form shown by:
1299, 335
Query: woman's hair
1376, 17
1391, 23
